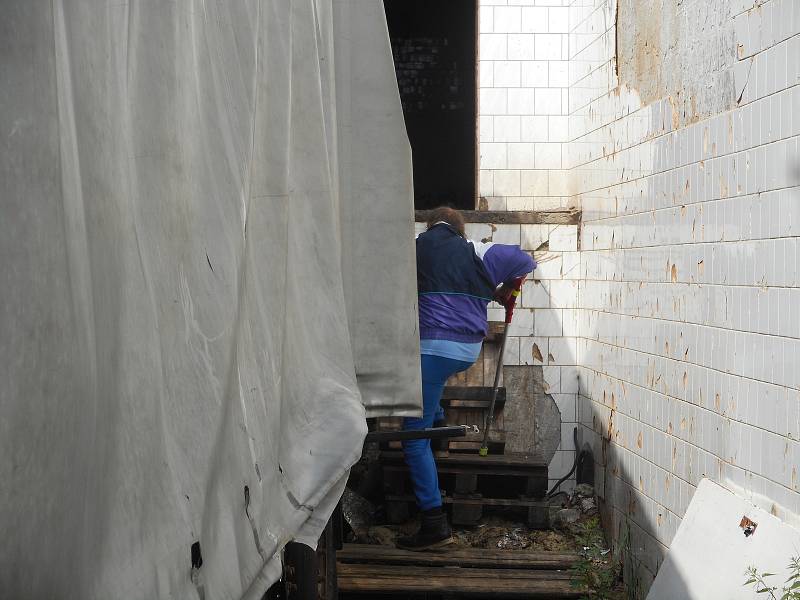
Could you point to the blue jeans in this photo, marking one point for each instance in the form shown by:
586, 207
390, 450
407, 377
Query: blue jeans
417, 453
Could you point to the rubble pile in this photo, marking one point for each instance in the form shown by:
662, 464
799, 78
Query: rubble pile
502, 530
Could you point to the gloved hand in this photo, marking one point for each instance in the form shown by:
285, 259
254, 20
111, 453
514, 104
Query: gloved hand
507, 295
502, 295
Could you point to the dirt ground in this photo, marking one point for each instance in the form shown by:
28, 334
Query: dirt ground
493, 531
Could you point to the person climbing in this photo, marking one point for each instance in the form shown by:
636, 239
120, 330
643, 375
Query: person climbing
456, 280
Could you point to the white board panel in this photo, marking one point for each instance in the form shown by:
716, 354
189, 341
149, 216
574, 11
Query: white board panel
710, 553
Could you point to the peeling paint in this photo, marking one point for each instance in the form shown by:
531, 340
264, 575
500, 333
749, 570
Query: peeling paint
655, 35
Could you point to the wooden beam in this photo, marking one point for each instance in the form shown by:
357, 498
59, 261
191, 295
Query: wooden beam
483, 583
513, 217
458, 557
472, 392
520, 461
520, 502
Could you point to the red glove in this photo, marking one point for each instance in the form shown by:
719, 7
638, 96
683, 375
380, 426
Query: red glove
507, 296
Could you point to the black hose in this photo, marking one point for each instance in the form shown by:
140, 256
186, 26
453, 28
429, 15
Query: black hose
571, 471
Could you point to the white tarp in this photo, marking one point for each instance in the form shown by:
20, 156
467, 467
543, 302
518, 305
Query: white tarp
195, 197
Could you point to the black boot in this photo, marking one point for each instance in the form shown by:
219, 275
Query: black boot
434, 532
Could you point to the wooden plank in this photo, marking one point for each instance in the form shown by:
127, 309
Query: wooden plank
462, 470
469, 589
389, 423
478, 404
496, 435
463, 557
485, 583
521, 460
468, 470
523, 502
454, 571
494, 447
523, 217
477, 392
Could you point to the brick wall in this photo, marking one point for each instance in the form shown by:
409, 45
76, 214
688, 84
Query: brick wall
689, 289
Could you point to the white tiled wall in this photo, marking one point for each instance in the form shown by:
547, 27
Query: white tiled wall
544, 328
523, 130
549, 296
523, 103
689, 286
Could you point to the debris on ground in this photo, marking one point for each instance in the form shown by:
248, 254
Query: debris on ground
502, 531
567, 516
583, 496
515, 538
575, 528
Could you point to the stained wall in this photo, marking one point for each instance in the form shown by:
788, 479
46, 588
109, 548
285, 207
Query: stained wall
683, 155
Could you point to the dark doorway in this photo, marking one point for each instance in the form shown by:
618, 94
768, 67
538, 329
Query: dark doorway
433, 43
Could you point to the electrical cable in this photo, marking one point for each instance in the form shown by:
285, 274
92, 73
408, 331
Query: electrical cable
571, 471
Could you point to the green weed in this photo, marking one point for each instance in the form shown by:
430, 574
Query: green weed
595, 572
789, 591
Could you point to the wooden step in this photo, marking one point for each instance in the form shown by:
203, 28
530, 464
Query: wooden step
482, 583
457, 557
494, 464
464, 405
479, 396
471, 442
472, 482
476, 501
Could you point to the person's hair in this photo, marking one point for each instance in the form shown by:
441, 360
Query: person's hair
449, 215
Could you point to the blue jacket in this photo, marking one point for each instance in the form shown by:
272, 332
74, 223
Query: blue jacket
456, 279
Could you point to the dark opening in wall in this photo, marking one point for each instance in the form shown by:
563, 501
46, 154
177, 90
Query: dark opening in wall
433, 43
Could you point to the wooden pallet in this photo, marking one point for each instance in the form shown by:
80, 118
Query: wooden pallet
472, 482
457, 557
466, 572
464, 405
